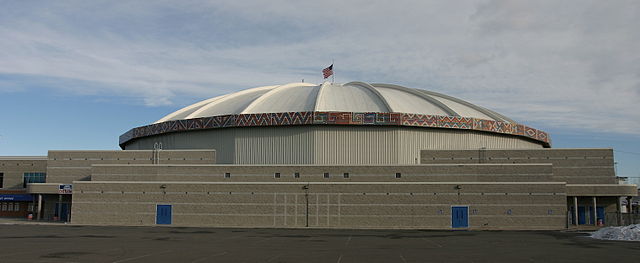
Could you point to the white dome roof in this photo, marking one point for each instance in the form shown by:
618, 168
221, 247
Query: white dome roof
334, 97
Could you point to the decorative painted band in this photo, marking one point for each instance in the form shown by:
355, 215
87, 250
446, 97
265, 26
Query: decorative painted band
337, 118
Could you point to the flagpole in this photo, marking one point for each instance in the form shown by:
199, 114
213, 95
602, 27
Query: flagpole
333, 76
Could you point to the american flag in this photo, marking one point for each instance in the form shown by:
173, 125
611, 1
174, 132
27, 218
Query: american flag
328, 71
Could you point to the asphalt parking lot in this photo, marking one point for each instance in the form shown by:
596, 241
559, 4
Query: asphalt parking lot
68, 243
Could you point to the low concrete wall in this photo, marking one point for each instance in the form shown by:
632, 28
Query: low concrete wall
573, 166
66, 166
409, 205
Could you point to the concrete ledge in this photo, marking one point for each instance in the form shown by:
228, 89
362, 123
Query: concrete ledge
602, 190
43, 188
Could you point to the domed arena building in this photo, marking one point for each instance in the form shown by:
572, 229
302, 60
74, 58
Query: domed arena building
352, 123
353, 155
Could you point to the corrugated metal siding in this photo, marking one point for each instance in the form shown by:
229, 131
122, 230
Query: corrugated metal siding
393, 145
355, 145
274, 145
329, 144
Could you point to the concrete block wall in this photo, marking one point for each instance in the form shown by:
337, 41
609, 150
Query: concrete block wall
310, 173
574, 166
13, 169
67, 166
422, 205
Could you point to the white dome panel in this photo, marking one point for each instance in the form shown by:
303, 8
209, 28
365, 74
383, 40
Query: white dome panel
231, 104
349, 97
186, 111
286, 98
463, 110
401, 101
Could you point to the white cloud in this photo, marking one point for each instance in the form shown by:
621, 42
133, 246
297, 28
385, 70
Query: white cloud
569, 64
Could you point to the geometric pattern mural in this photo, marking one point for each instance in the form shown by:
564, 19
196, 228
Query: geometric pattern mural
337, 118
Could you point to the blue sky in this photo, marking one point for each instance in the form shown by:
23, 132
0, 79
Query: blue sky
77, 74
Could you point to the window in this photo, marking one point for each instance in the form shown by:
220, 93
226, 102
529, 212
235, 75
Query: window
1, 180
398, 175
296, 175
33, 178
227, 175
16, 207
276, 175
346, 175
326, 175
4, 206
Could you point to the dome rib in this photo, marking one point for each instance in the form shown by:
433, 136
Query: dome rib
431, 100
193, 107
490, 113
372, 89
225, 98
319, 95
275, 90
504, 118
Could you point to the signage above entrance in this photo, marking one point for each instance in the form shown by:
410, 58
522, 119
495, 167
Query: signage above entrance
65, 189
18, 197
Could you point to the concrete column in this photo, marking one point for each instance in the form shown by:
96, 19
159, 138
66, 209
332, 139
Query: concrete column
39, 211
59, 207
595, 212
629, 210
575, 209
619, 211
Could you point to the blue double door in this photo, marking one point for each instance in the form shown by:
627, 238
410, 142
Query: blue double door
163, 214
459, 216
582, 215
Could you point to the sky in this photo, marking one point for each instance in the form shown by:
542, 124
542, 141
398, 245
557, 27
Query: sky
77, 74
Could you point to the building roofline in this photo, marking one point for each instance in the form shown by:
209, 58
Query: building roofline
338, 118
23, 158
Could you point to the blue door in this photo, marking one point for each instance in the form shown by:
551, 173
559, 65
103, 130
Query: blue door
600, 213
163, 214
582, 215
459, 216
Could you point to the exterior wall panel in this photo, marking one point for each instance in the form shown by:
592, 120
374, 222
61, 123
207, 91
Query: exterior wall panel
356, 145
273, 145
64, 167
326, 144
573, 166
222, 141
13, 169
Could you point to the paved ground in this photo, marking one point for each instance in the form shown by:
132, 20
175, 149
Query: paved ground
67, 243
